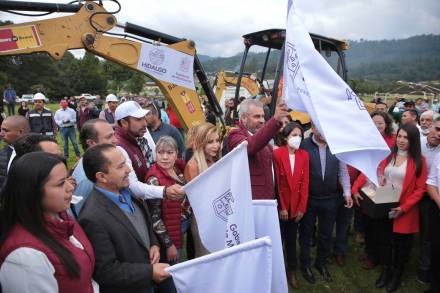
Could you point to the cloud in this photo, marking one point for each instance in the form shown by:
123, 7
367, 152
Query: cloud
217, 26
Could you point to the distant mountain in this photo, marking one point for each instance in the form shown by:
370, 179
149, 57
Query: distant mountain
412, 59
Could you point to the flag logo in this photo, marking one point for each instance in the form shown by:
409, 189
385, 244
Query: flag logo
222, 205
352, 96
292, 59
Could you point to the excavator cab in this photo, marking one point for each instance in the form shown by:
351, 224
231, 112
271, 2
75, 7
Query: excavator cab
273, 41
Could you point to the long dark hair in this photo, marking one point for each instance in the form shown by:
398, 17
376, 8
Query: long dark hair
22, 203
388, 122
414, 149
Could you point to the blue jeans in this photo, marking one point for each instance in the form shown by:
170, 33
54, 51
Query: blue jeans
66, 133
11, 109
343, 220
325, 211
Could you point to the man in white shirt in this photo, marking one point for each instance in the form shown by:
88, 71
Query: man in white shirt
433, 186
430, 145
426, 120
129, 132
65, 118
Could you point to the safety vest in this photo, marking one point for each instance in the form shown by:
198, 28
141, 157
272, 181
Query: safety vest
41, 122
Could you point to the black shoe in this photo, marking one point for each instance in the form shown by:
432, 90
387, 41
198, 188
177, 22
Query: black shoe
423, 277
308, 275
325, 273
394, 283
384, 278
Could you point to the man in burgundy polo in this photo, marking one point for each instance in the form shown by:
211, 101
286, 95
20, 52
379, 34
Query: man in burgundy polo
258, 134
130, 130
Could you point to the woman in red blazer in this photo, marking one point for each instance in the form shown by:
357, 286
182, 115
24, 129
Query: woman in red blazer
384, 124
292, 175
406, 169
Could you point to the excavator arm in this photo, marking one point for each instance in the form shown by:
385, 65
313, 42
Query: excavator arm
247, 81
86, 30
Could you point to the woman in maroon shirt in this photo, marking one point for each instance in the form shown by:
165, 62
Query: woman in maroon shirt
41, 246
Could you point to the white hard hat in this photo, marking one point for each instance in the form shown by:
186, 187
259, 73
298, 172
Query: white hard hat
111, 98
39, 96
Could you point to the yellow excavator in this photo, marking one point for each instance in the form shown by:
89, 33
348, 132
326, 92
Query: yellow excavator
228, 79
138, 48
273, 41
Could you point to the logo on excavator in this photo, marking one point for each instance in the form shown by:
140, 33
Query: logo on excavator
18, 38
157, 56
185, 64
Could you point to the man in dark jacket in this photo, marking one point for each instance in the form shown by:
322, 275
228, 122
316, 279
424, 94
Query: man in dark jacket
41, 119
119, 226
326, 177
258, 134
12, 128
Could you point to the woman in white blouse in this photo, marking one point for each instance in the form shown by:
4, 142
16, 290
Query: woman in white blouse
42, 248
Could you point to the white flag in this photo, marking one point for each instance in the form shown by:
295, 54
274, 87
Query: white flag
312, 86
245, 268
167, 64
221, 199
267, 224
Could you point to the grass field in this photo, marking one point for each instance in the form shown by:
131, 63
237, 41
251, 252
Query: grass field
353, 279
349, 279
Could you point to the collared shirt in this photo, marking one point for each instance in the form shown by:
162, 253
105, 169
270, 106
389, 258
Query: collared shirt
65, 117
428, 151
434, 172
343, 176
122, 200
83, 185
12, 157
166, 129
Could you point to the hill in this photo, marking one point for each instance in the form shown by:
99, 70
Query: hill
413, 59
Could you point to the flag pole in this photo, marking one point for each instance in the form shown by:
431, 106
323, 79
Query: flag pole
276, 82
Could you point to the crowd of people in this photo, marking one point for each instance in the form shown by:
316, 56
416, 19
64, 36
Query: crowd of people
116, 219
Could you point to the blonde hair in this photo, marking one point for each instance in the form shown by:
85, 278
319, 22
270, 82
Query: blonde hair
190, 136
200, 140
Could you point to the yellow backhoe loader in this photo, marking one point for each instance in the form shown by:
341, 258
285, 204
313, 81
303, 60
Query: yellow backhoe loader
89, 28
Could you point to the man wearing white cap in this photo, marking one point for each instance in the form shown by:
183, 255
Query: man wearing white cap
130, 130
41, 119
109, 113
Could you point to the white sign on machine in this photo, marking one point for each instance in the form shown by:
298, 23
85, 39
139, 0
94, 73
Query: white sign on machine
167, 65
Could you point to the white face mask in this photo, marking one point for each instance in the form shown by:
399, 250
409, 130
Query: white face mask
294, 142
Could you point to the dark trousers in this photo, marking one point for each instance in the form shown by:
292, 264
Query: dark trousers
325, 211
343, 220
289, 230
425, 241
434, 227
377, 234
394, 248
167, 285
11, 109
359, 220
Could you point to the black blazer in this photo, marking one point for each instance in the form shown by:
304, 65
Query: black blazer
122, 259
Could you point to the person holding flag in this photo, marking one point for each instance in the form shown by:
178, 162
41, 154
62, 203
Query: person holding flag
207, 150
258, 134
327, 174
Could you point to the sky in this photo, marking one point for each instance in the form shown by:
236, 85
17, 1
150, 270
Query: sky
217, 26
